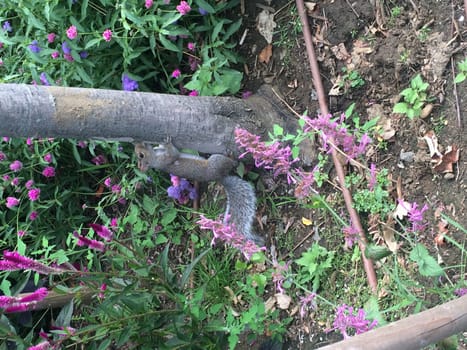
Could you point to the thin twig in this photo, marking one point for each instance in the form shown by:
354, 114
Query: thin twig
456, 97
355, 220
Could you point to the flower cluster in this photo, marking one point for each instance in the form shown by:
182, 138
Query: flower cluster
227, 233
181, 190
15, 261
273, 157
334, 133
347, 319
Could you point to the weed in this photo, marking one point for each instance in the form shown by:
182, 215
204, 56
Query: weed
462, 75
351, 79
415, 97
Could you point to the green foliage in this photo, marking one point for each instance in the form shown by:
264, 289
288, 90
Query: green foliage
375, 200
315, 263
351, 79
462, 75
146, 44
414, 97
427, 265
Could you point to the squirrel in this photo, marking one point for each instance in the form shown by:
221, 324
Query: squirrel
241, 198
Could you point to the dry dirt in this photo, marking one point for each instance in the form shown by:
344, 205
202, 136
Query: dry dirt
387, 49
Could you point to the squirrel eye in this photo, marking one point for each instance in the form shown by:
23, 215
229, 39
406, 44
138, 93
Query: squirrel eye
141, 155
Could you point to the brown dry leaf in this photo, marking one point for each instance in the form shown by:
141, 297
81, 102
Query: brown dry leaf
388, 235
442, 226
340, 52
269, 304
283, 301
445, 164
265, 54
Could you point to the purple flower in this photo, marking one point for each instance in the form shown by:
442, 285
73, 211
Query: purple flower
72, 32
33, 216
108, 182
183, 8
116, 188
2, 156
99, 160
55, 54
34, 47
148, 3
34, 194
15, 181
278, 275
246, 94
29, 184
49, 171
107, 35
128, 83
334, 134
191, 46
345, 319
460, 292
227, 232
193, 93
176, 73
102, 231
44, 80
11, 202
27, 302
202, 11
83, 54
48, 158
21, 233
91, 243
269, 156
45, 345
350, 235
415, 217
51, 37
65, 48
7, 26
15, 261
16, 166
306, 303
372, 180
181, 190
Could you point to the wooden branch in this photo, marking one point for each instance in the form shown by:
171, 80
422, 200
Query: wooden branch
205, 124
413, 332
354, 218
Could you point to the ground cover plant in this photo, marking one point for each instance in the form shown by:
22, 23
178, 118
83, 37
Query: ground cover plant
82, 227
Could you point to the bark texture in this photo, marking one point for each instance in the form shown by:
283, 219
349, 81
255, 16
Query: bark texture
205, 124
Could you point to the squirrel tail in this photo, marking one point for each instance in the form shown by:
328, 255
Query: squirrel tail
241, 206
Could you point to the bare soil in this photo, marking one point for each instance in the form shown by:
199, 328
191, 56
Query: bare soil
387, 49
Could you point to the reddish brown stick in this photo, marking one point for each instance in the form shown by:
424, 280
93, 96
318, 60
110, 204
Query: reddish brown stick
367, 263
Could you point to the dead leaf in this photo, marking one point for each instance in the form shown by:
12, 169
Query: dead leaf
388, 235
446, 162
310, 6
306, 222
402, 209
265, 25
283, 301
265, 54
340, 52
269, 304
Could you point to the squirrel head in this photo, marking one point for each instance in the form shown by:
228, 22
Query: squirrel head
143, 156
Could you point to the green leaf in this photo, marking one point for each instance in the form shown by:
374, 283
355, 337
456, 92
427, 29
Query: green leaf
427, 265
149, 205
376, 252
186, 274
65, 315
169, 216
216, 30
400, 107
168, 44
205, 6
459, 78
278, 130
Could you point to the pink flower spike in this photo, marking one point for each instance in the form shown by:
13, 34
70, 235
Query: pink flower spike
38, 295
87, 242
15, 261
72, 32
107, 35
102, 231
45, 345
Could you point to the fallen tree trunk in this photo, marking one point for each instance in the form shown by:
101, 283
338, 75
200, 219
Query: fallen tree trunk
413, 332
202, 123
